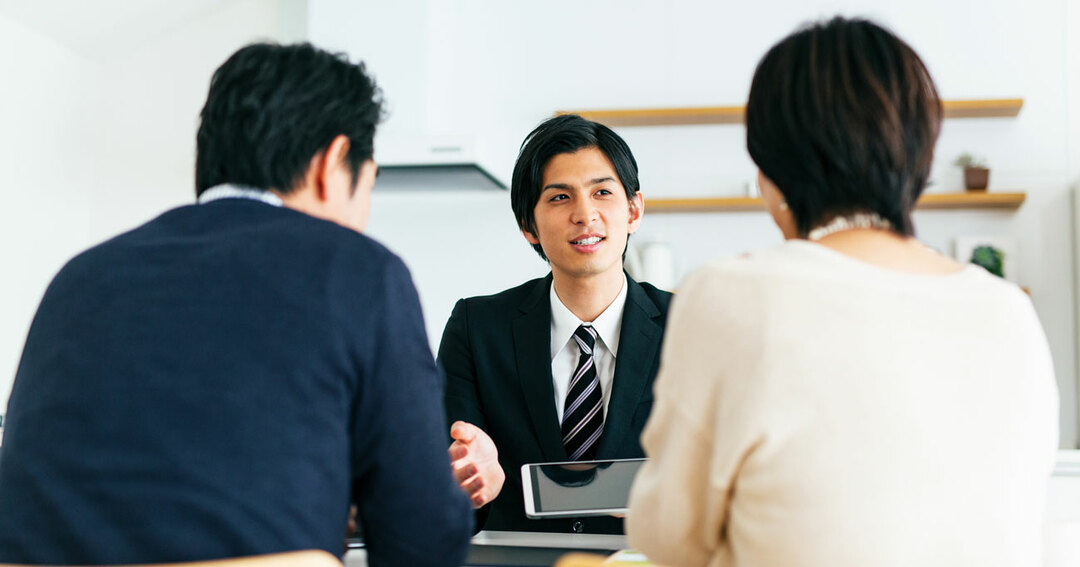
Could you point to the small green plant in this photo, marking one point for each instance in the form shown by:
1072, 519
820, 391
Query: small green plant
967, 160
990, 258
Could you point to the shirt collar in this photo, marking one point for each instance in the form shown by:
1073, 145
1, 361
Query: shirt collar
607, 325
230, 191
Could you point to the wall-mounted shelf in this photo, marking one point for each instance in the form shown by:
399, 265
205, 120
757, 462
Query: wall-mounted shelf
983, 108
972, 200
976, 108
969, 200
664, 116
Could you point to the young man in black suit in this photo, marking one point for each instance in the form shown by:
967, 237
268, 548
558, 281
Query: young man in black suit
217, 381
559, 368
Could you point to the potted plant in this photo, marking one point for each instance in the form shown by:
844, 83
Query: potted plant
990, 258
976, 174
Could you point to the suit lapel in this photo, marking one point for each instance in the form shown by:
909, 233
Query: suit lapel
639, 346
532, 351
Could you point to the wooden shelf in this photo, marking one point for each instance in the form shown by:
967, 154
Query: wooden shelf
969, 200
703, 205
986, 108
972, 200
664, 116
980, 108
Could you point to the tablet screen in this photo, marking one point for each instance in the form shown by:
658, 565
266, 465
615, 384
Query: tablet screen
583, 486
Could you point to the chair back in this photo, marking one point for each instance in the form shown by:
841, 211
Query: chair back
308, 558
580, 560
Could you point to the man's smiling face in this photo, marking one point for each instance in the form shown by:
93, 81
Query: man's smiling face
583, 217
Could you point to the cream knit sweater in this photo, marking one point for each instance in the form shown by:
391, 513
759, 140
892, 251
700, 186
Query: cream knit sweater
815, 410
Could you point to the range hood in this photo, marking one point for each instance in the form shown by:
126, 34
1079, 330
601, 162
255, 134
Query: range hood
430, 138
436, 177
417, 163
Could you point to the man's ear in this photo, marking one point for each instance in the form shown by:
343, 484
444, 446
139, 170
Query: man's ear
529, 235
637, 209
328, 167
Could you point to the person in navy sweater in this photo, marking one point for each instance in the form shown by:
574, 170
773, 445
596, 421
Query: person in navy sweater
227, 378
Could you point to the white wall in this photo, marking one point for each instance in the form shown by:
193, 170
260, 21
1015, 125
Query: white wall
98, 111
491, 70
44, 218
98, 122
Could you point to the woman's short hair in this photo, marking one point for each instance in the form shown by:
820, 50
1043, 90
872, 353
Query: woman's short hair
843, 117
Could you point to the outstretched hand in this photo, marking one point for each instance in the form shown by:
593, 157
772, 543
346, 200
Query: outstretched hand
475, 462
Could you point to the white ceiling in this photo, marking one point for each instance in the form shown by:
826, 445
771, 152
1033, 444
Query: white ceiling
99, 28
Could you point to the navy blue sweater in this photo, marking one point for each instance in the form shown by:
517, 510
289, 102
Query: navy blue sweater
213, 384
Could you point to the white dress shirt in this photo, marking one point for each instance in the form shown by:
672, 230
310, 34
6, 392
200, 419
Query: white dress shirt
565, 353
231, 191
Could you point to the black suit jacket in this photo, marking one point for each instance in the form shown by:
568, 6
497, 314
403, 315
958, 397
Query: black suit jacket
496, 356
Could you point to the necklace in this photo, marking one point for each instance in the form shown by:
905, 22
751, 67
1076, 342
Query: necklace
840, 224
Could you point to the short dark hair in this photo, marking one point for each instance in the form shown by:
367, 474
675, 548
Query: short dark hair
843, 117
271, 108
564, 134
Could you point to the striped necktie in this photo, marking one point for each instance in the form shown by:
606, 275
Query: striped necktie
583, 412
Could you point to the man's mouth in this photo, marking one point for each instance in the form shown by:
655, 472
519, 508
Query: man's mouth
587, 241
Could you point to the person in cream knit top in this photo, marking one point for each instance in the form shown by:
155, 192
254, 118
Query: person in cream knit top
814, 409
850, 397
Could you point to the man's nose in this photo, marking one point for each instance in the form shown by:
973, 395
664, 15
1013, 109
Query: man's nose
584, 212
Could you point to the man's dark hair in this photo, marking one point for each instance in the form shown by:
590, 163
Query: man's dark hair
843, 117
272, 108
564, 135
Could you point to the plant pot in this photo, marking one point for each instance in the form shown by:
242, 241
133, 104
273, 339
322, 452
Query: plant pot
976, 178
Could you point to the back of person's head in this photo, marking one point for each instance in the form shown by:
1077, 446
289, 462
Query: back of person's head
563, 135
272, 108
842, 118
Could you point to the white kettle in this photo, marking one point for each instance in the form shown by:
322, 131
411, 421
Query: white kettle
651, 262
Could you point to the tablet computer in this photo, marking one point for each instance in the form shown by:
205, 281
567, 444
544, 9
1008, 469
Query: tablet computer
578, 488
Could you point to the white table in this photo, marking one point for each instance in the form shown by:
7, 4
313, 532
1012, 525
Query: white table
525, 549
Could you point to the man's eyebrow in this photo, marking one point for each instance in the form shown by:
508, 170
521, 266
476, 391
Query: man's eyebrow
565, 187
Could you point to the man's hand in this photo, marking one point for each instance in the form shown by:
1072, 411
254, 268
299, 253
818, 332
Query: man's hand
475, 462
350, 526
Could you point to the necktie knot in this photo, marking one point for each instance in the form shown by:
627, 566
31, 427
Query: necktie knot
585, 337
